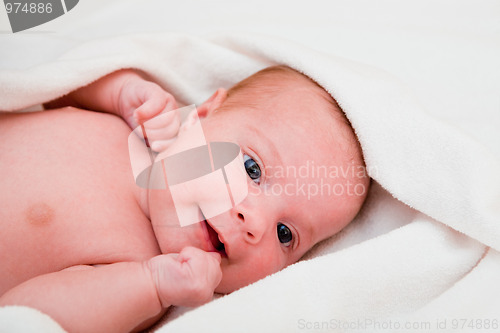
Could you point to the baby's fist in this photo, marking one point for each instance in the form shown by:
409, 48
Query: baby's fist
186, 279
140, 101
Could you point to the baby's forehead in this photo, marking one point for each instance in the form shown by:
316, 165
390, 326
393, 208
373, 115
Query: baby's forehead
271, 97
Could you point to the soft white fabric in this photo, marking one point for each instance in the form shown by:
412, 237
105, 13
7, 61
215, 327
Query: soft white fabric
425, 245
14, 319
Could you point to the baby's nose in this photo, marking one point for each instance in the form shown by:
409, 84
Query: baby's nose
252, 227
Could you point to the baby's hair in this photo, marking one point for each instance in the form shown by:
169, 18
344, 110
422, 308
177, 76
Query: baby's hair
255, 83
270, 81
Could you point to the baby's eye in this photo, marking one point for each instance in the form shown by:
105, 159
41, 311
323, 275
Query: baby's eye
284, 234
252, 168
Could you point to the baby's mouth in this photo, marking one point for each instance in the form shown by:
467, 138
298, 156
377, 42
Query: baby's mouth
214, 239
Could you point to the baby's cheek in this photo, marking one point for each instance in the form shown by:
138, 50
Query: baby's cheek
235, 276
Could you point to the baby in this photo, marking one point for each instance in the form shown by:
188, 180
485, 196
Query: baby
83, 243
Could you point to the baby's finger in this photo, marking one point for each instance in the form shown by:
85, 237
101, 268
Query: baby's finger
159, 134
195, 255
216, 256
163, 119
174, 255
161, 145
187, 253
215, 272
153, 107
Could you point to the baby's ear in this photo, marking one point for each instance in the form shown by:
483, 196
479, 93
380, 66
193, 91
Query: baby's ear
213, 103
204, 110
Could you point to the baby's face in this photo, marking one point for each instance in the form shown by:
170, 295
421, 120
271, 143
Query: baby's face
297, 194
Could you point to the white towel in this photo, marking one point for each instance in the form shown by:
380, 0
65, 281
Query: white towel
17, 319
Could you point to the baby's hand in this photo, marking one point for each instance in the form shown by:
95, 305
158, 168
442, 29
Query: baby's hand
186, 279
142, 102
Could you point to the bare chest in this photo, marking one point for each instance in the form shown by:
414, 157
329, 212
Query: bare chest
67, 195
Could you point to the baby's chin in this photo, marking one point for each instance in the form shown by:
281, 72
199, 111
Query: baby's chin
231, 282
229, 287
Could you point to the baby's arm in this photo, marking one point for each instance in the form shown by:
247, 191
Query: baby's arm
125, 93
120, 297
112, 298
